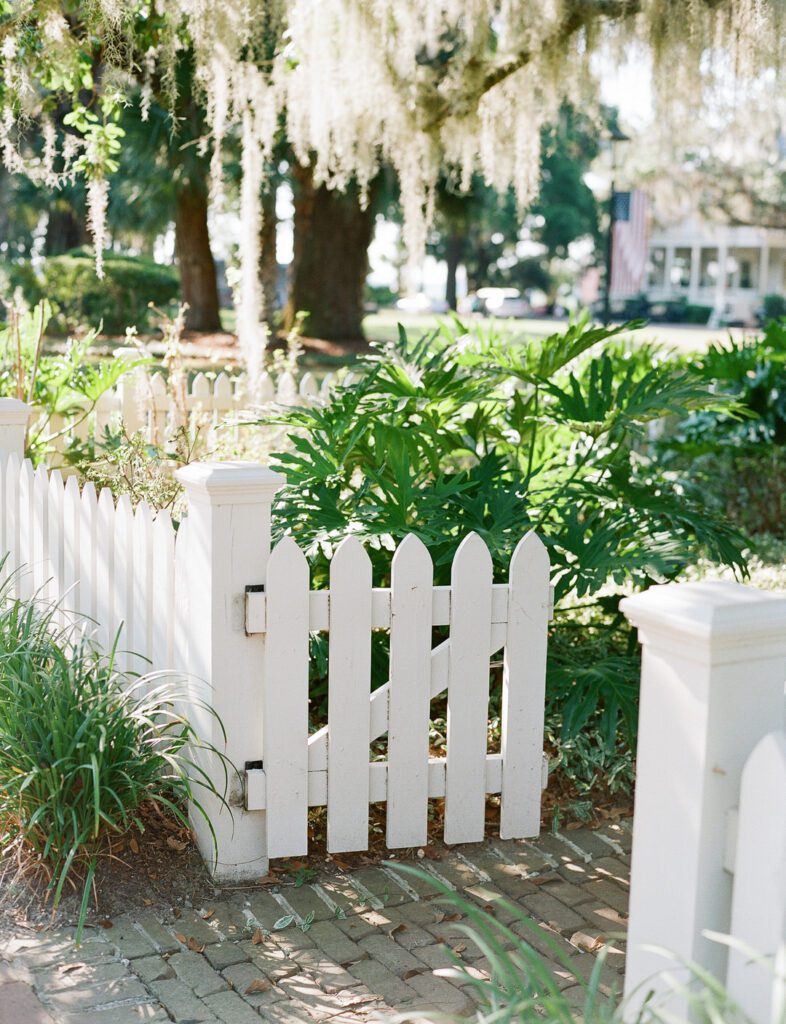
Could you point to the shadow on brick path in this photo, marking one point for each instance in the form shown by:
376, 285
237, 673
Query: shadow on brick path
359, 945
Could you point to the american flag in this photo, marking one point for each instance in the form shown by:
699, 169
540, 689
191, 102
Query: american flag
629, 243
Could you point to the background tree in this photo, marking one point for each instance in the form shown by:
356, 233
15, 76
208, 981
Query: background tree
458, 84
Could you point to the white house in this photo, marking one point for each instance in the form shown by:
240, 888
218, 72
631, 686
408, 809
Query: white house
685, 262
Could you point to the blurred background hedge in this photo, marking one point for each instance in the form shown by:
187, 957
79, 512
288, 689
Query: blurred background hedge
78, 297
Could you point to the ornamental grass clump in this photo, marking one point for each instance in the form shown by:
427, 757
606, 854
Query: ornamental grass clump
83, 747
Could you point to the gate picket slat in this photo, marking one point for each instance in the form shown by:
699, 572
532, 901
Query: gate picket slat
468, 692
105, 549
524, 689
163, 592
72, 508
410, 694
285, 701
349, 685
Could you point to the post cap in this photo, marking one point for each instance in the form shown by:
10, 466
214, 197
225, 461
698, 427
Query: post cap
13, 412
230, 483
715, 615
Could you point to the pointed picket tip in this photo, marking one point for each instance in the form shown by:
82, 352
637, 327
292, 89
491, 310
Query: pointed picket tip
411, 552
42, 476
163, 519
124, 507
200, 386
308, 385
143, 513
531, 556
223, 386
106, 499
766, 766
72, 486
56, 482
89, 492
286, 556
158, 384
472, 553
350, 553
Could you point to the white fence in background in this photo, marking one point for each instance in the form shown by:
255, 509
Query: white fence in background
210, 600
145, 401
709, 838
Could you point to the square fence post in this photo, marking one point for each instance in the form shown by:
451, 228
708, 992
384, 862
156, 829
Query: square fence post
712, 685
14, 418
228, 548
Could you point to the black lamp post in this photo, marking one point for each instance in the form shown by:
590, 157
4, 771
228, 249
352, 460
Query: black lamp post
616, 139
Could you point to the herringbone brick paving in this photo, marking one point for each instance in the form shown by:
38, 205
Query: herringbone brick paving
359, 945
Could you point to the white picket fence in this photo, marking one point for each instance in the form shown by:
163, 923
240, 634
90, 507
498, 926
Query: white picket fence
332, 766
709, 837
211, 601
144, 401
100, 559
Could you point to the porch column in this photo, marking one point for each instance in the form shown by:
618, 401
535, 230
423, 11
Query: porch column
667, 269
720, 284
764, 268
695, 272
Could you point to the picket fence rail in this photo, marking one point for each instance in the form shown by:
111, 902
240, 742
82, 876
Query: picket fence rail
709, 836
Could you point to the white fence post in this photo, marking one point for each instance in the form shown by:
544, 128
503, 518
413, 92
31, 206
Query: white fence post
14, 417
228, 549
713, 669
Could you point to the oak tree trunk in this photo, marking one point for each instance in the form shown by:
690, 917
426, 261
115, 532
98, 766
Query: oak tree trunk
268, 264
332, 236
198, 285
66, 229
454, 251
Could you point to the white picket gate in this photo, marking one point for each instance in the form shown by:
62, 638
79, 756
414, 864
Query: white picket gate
709, 836
333, 765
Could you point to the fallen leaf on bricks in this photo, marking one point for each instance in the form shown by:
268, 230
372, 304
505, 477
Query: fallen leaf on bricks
195, 945
257, 985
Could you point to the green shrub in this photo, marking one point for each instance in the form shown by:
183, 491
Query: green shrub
774, 307
736, 456
696, 314
82, 747
450, 434
119, 300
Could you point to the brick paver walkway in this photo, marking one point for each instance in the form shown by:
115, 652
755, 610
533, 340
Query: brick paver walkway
359, 945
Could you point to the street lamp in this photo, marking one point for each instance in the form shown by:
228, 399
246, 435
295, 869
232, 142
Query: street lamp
616, 140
